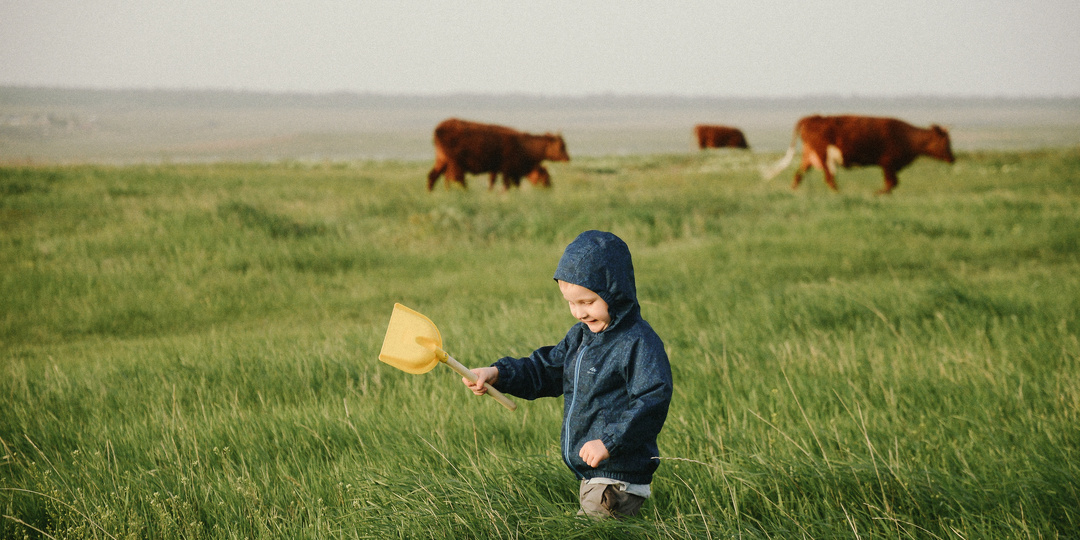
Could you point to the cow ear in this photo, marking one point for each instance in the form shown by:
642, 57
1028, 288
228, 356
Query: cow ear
939, 129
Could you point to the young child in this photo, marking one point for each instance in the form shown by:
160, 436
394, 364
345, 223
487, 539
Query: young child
611, 369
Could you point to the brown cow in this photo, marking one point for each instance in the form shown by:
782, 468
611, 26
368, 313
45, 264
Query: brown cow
862, 140
719, 137
470, 147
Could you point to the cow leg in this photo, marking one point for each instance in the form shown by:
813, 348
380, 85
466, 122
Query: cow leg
540, 177
809, 159
830, 180
491, 180
441, 163
433, 177
434, 174
454, 173
833, 157
812, 158
891, 181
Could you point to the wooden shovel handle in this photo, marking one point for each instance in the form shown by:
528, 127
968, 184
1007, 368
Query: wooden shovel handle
491, 391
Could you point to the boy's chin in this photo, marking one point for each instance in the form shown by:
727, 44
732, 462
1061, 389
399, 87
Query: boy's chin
596, 327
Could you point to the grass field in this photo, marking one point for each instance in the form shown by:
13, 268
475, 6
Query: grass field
190, 351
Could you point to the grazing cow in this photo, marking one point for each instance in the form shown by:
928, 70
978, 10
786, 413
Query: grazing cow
862, 140
469, 147
719, 137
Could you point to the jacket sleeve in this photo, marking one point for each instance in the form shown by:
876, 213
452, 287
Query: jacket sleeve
538, 375
649, 388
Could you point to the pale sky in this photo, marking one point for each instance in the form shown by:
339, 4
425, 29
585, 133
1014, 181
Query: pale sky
750, 48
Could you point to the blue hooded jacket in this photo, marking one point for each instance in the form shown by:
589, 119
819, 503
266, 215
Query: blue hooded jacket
616, 383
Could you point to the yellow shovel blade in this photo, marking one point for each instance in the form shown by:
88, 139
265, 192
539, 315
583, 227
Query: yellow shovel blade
411, 342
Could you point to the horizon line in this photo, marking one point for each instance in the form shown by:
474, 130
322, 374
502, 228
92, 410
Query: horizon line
533, 95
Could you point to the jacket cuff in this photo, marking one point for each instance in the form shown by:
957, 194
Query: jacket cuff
505, 374
609, 444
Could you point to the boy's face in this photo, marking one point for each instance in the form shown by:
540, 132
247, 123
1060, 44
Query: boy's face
586, 306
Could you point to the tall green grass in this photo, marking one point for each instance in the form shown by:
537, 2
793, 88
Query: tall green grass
190, 351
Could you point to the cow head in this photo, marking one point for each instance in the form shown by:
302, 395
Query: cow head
556, 148
940, 146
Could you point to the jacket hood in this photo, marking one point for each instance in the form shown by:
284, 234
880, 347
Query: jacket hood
600, 262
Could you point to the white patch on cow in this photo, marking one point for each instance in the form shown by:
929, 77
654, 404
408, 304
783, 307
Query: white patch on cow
833, 157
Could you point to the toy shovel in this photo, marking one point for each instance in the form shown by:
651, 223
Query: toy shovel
413, 345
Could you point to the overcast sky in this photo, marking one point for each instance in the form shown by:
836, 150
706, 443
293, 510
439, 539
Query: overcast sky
551, 47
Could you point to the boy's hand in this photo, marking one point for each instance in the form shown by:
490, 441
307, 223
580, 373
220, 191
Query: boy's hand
593, 452
484, 374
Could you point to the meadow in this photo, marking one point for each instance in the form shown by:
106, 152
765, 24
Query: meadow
190, 350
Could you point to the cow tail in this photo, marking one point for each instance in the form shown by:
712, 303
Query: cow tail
768, 173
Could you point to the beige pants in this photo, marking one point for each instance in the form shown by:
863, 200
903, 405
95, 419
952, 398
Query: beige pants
602, 500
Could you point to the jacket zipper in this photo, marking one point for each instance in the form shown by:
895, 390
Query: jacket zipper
570, 412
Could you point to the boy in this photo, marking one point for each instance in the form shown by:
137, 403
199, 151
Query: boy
613, 371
